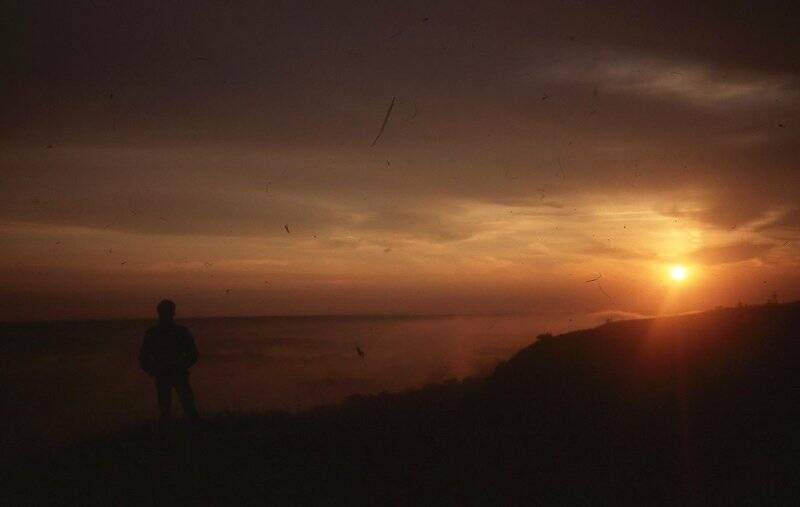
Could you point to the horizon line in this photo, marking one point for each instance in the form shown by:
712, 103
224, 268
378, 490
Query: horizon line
371, 315
278, 316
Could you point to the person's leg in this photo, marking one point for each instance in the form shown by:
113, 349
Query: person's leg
186, 396
164, 389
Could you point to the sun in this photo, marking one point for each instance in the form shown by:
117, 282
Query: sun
678, 272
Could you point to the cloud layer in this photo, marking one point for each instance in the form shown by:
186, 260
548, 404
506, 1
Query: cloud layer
531, 146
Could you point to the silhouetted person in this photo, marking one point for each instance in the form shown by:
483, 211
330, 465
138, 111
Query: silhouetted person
168, 351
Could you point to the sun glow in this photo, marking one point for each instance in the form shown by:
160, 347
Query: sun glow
678, 272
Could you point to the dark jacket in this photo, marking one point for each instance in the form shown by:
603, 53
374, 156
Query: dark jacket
167, 350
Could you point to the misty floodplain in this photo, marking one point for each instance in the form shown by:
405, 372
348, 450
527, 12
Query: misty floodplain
65, 380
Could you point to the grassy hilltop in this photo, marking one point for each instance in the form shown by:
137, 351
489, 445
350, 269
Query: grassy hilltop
699, 408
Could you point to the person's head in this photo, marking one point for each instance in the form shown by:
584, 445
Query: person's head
166, 310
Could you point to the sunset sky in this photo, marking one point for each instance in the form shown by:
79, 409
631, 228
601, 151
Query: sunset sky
554, 158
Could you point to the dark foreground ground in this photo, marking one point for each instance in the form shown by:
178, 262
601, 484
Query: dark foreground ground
695, 409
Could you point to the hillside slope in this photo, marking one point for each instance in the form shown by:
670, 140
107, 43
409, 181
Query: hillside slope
697, 408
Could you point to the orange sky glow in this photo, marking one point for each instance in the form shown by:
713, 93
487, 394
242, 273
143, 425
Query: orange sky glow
520, 171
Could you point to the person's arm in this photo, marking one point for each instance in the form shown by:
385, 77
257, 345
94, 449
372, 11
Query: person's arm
191, 350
